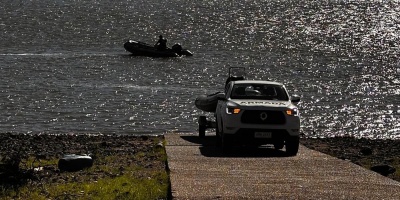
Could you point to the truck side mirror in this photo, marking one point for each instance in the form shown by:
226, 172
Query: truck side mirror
295, 99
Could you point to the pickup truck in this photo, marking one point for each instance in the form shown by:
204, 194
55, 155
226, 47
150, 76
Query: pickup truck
256, 112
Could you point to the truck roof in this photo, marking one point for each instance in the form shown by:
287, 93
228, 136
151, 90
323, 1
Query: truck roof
256, 82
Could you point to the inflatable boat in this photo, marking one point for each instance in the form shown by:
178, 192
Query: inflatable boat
143, 49
208, 103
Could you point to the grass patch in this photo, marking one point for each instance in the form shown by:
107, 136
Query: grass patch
121, 187
133, 168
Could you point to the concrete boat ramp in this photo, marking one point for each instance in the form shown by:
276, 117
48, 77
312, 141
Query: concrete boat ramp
199, 170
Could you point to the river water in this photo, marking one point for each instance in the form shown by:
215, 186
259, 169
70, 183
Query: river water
64, 69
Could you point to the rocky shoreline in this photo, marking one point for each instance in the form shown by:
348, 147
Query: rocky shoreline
382, 156
14, 147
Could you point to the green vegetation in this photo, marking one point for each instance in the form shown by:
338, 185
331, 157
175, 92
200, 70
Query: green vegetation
117, 174
121, 187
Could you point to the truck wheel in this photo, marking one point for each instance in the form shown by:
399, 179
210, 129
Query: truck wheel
292, 145
226, 143
218, 136
219, 141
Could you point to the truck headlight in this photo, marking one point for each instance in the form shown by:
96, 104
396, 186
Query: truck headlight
292, 112
232, 110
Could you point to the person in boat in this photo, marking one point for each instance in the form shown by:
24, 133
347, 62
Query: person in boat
161, 43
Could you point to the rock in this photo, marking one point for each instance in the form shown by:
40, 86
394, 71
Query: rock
389, 160
105, 144
366, 151
383, 169
74, 162
144, 137
160, 145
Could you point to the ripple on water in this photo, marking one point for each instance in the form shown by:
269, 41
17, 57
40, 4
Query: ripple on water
73, 75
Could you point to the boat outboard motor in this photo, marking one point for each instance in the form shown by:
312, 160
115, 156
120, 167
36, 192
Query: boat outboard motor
232, 78
177, 48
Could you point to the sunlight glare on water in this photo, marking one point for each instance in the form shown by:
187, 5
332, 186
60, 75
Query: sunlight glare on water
64, 68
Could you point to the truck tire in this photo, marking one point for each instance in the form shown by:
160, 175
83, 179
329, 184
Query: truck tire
292, 145
227, 142
218, 136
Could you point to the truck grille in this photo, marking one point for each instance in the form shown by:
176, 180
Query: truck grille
263, 117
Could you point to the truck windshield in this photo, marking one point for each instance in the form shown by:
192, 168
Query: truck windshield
259, 91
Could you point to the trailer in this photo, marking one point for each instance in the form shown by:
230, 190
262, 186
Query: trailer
204, 124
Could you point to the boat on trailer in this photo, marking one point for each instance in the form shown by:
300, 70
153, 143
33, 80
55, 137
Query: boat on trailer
208, 103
